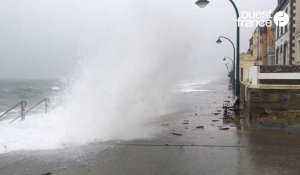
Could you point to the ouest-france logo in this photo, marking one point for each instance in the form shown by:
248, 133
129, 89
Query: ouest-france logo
263, 18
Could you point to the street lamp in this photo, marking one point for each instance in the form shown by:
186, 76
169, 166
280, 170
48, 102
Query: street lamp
226, 58
228, 69
228, 64
202, 4
219, 41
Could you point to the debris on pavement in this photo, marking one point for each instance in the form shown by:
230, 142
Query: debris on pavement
176, 134
200, 127
224, 129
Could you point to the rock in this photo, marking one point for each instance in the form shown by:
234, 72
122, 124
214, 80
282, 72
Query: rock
215, 120
216, 113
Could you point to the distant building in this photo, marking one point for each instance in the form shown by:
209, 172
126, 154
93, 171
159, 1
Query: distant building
262, 47
270, 44
255, 45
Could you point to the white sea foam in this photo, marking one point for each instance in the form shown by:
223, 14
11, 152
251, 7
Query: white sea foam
55, 88
187, 86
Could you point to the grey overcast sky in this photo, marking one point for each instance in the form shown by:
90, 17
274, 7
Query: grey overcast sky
46, 38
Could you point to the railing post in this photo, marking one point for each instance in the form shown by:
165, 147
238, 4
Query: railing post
46, 104
23, 105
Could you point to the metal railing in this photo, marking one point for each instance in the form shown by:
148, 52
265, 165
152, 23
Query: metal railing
23, 104
46, 100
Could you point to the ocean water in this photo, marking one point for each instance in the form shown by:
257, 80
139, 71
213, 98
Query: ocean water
31, 91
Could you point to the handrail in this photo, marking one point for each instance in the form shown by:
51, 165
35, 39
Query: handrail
23, 104
46, 100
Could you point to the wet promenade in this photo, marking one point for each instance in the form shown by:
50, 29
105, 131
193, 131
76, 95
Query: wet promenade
195, 140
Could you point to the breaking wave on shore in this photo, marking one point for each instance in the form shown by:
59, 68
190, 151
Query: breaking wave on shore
119, 93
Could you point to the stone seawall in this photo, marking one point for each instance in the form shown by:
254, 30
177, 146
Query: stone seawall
271, 106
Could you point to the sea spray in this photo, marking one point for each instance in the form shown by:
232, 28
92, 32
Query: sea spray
117, 93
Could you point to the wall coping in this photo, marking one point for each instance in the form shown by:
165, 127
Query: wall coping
280, 69
270, 86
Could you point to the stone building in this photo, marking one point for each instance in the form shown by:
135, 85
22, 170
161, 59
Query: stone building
270, 90
246, 63
283, 35
254, 46
296, 32
262, 46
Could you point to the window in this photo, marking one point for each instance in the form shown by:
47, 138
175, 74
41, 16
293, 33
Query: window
242, 74
286, 27
285, 55
280, 56
277, 56
298, 50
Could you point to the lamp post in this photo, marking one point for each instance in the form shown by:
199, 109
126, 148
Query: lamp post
219, 41
202, 4
232, 62
227, 69
226, 58
230, 71
228, 64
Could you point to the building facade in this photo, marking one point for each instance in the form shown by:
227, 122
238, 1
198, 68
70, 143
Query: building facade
262, 47
270, 89
283, 35
296, 31
247, 62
